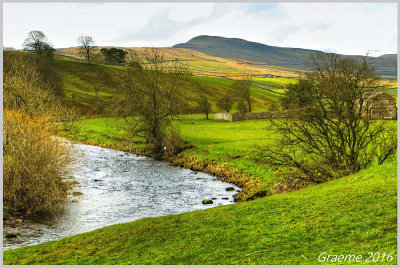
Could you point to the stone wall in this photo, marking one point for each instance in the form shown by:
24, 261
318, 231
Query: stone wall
378, 112
249, 116
223, 116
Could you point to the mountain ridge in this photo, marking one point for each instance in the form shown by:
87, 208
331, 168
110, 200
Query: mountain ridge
297, 58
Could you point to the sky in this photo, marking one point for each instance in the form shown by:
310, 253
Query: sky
345, 28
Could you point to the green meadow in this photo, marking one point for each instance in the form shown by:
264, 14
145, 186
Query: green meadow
221, 142
352, 215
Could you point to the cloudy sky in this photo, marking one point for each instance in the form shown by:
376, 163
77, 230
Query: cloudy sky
346, 28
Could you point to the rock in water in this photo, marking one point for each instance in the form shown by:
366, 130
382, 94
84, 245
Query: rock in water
11, 235
207, 201
229, 189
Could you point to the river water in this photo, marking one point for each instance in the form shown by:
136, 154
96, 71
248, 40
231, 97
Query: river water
119, 187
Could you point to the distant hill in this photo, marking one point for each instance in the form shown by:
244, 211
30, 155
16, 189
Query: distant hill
296, 58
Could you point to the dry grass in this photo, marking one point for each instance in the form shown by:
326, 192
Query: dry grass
35, 164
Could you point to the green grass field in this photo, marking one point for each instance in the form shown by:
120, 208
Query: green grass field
89, 86
353, 215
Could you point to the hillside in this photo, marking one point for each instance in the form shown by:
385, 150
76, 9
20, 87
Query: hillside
91, 87
202, 64
294, 58
353, 215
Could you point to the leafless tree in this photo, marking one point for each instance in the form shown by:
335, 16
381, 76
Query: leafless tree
86, 44
243, 90
154, 90
204, 105
331, 135
38, 43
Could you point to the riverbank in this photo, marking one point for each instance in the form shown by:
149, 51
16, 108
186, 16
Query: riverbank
224, 149
115, 187
352, 215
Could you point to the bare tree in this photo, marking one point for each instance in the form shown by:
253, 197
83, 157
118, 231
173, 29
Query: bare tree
204, 105
38, 43
331, 135
225, 103
86, 44
154, 90
242, 88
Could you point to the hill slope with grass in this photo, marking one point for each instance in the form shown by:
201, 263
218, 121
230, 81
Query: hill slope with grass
92, 87
353, 215
295, 58
199, 63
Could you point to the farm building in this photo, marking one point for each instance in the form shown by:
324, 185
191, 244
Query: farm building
381, 105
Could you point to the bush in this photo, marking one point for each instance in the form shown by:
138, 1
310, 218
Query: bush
35, 164
172, 142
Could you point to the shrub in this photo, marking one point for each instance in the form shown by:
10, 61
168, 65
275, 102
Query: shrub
172, 141
35, 164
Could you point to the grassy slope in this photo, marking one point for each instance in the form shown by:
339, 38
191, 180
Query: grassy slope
352, 215
203, 64
80, 81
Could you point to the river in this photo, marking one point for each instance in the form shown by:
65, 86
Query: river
119, 187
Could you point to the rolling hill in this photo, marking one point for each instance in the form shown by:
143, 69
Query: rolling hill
231, 57
201, 63
92, 87
283, 57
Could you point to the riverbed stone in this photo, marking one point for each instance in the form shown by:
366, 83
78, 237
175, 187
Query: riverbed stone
229, 189
259, 194
207, 201
11, 235
225, 198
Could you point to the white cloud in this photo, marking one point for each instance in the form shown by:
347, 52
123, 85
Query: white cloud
348, 28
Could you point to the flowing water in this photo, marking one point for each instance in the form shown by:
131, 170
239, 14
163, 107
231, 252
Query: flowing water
119, 187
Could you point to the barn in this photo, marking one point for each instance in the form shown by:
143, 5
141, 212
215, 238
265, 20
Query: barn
380, 105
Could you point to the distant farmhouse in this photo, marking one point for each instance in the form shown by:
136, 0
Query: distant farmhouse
270, 75
381, 105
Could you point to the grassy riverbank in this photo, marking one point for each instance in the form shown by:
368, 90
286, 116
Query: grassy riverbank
224, 149
352, 215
